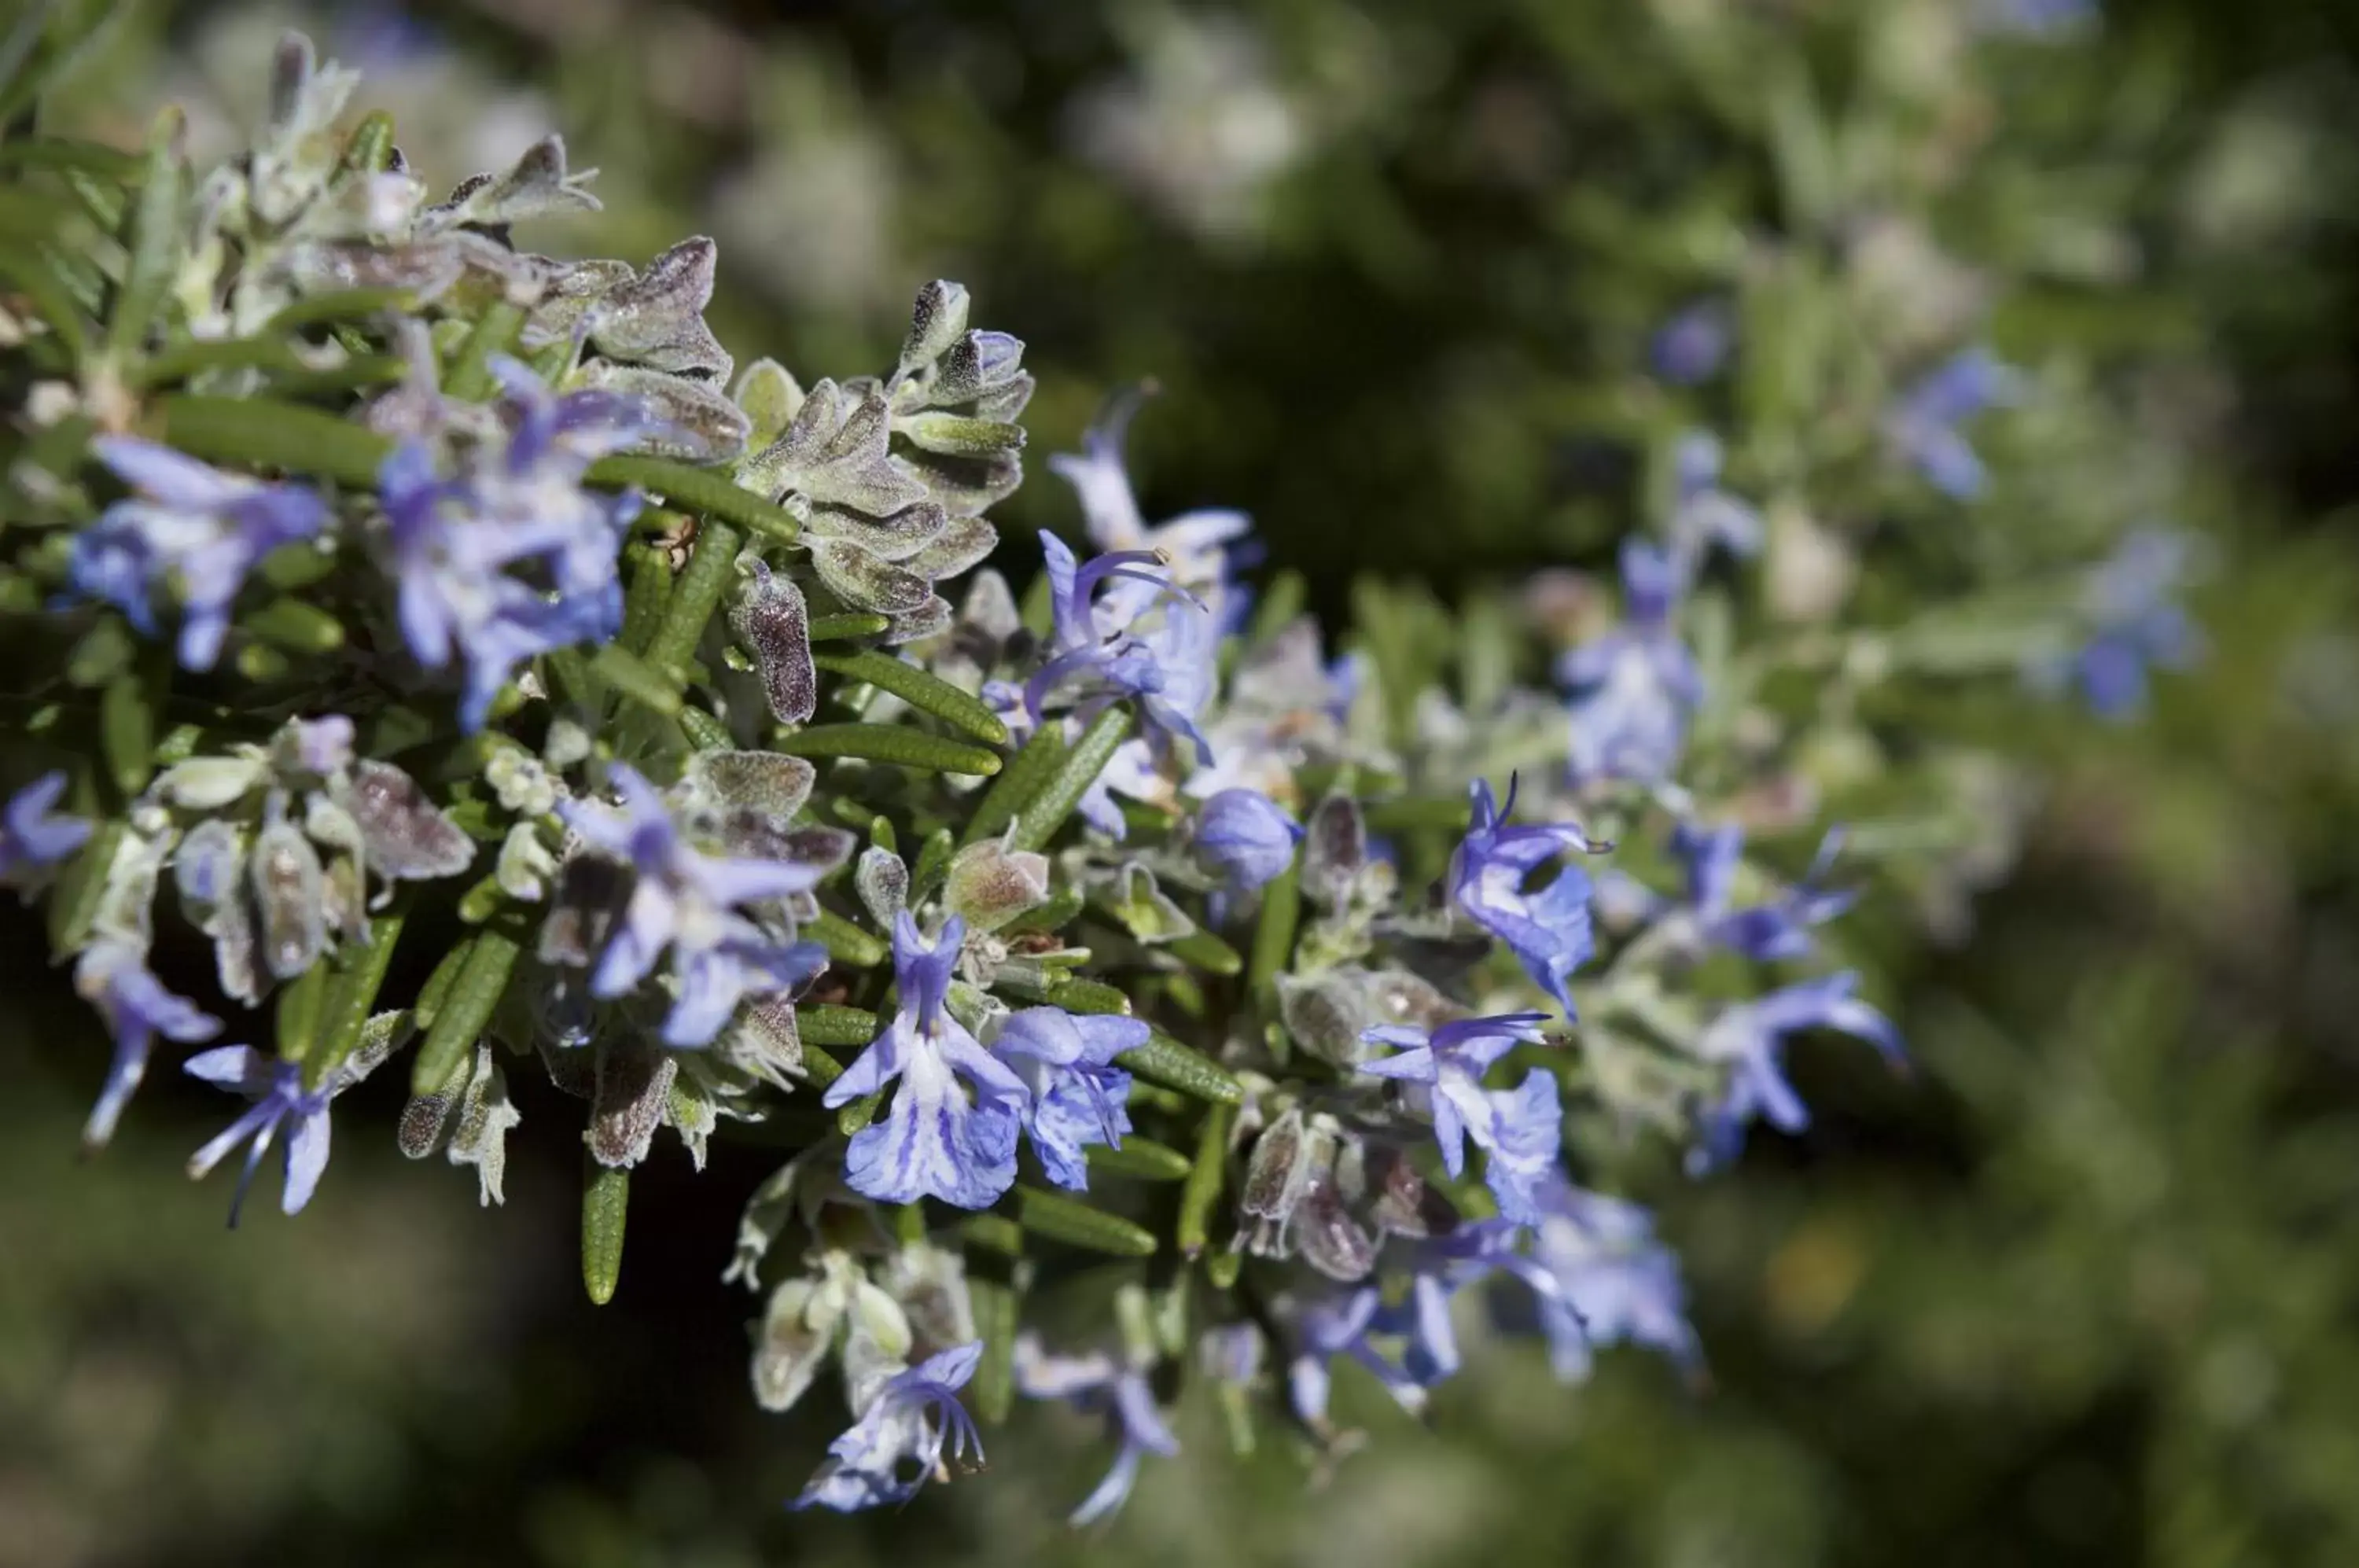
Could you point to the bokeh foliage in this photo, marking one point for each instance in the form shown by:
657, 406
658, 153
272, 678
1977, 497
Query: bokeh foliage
2082, 1290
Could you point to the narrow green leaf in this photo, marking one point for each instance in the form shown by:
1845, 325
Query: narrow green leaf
992, 1392
494, 333
459, 1021
155, 244
1039, 821
62, 153
1165, 1061
605, 1200
439, 984
126, 721
1281, 602
934, 864
336, 305
353, 996
1273, 943
1062, 906
929, 693
1222, 1269
855, 1116
302, 1002
485, 899
637, 679
370, 148
1046, 1213
101, 654
648, 571
259, 433
849, 625
705, 490
694, 596
1206, 952
1140, 1159
820, 1067
1089, 996
1411, 814
703, 731
51, 300
825, 1025
75, 903
1206, 1177
295, 627
845, 943
994, 1233
290, 371
1027, 772
887, 742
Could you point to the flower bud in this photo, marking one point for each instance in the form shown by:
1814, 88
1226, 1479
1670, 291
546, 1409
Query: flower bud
1245, 838
989, 884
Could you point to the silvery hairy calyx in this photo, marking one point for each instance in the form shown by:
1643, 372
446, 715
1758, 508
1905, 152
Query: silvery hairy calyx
441, 657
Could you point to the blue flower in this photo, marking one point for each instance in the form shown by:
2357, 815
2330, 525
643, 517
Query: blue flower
913, 1417
35, 837
932, 1142
1749, 1038
1690, 348
1703, 514
689, 901
1095, 657
1245, 837
190, 527
283, 1111
1548, 928
512, 557
1608, 1281
2037, 20
1340, 1324
2137, 624
112, 974
1924, 426
1199, 549
1075, 1095
1097, 1383
1439, 1268
1766, 934
1519, 1129
1633, 687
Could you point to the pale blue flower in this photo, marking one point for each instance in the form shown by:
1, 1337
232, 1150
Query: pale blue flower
1245, 837
35, 837
1769, 932
1924, 426
689, 901
1340, 1323
284, 1112
190, 529
1749, 1040
1608, 1281
1702, 513
1095, 656
1548, 928
1518, 1129
1199, 550
512, 557
1075, 1095
1693, 344
931, 1142
112, 974
1098, 1383
1635, 687
2136, 623
897, 1443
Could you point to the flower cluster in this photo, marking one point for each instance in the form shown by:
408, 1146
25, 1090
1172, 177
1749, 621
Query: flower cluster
1130, 917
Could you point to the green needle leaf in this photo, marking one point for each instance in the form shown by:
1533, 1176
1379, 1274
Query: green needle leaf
1207, 953
845, 943
705, 490
694, 597
302, 1003
826, 1025
637, 679
494, 333
1044, 1213
155, 244
459, 1021
994, 1301
849, 625
1273, 943
606, 1199
1165, 1061
351, 997
1038, 822
1141, 1158
1027, 772
929, 693
1206, 1177
887, 742
263, 434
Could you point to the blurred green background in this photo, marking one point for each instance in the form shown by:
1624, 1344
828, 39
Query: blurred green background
2085, 1289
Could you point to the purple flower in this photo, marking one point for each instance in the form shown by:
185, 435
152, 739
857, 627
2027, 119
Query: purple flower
1633, 687
1245, 837
1765, 934
112, 976
2137, 624
931, 1142
190, 527
1340, 1324
1199, 549
1750, 1039
512, 557
689, 901
913, 1417
1075, 1095
283, 1111
1490, 874
1924, 426
1690, 348
1518, 1129
34, 836
1095, 657
1097, 1383
1703, 513
1608, 1280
